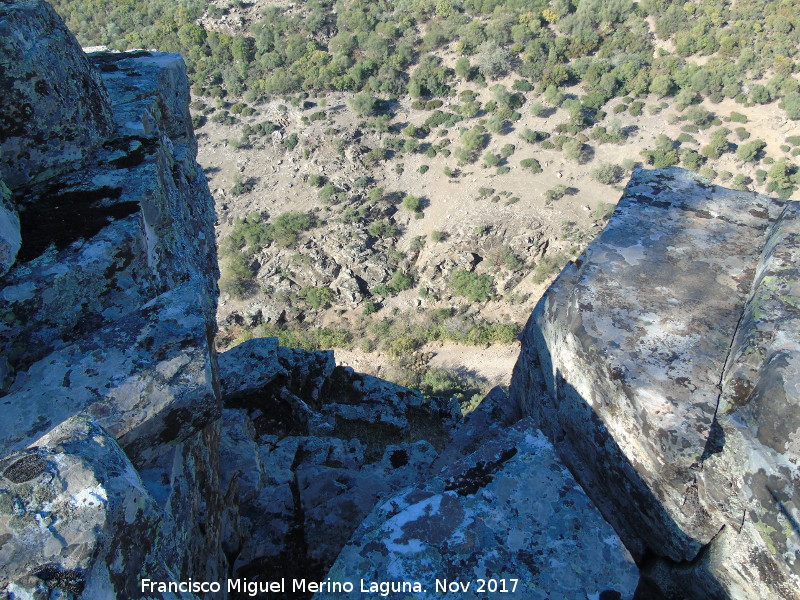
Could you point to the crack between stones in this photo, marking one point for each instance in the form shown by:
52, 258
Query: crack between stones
715, 441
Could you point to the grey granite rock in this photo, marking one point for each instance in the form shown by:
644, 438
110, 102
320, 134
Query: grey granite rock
111, 236
10, 237
308, 449
509, 514
106, 333
75, 518
150, 378
55, 111
624, 364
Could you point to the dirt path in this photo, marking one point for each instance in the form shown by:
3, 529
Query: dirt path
493, 363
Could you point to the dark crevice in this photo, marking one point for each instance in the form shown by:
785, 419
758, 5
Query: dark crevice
680, 576
60, 218
716, 435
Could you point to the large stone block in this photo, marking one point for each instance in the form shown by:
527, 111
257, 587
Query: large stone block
510, 512
55, 110
75, 519
624, 364
150, 378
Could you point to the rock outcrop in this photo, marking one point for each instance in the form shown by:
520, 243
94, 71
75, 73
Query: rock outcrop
110, 384
506, 518
661, 369
662, 364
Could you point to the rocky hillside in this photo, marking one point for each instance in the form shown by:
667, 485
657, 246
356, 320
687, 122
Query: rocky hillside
646, 450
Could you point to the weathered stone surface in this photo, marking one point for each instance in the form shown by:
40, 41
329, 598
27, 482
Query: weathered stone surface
185, 483
108, 315
509, 511
308, 449
75, 519
10, 238
108, 238
149, 378
623, 365
55, 111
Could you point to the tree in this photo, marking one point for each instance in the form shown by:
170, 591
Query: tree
751, 151
363, 104
791, 104
492, 60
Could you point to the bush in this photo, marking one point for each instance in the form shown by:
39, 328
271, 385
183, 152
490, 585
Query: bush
490, 159
285, 228
412, 203
751, 151
437, 236
327, 191
241, 185
382, 229
400, 281
317, 297
574, 150
316, 180
237, 276
549, 265
291, 141
363, 104
531, 136
555, 193
608, 174
532, 164
473, 287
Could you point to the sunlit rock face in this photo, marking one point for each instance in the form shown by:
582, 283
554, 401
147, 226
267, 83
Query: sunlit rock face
55, 110
109, 381
663, 366
507, 518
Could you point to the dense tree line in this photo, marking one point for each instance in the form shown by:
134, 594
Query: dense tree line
388, 46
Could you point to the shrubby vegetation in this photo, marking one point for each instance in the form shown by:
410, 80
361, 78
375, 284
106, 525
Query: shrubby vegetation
377, 47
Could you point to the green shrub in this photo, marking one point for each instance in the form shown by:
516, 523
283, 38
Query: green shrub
236, 276
555, 193
316, 180
550, 264
751, 151
317, 297
608, 173
490, 159
327, 191
363, 104
241, 185
437, 236
400, 281
412, 203
532, 164
473, 287
382, 229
